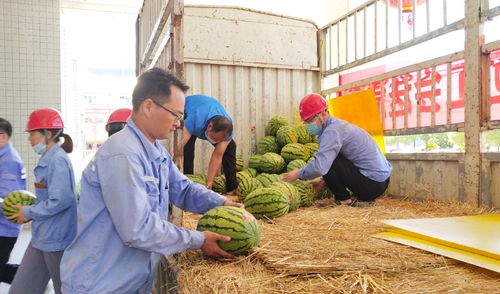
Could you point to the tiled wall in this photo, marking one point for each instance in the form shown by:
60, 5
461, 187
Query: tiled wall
30, 67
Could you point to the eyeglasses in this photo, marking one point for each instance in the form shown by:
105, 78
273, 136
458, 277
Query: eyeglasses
311, 119
178, 117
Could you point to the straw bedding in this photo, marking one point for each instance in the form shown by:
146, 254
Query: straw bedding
330, 250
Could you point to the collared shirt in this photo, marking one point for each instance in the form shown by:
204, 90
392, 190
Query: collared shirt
200, 109
55, 211
357, 146
12, 177
123, 210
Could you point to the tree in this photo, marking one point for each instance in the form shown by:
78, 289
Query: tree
458, 140
442, 140
493, 138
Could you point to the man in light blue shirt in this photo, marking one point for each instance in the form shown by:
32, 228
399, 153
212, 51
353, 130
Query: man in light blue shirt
348, 157
126, 189
12, 177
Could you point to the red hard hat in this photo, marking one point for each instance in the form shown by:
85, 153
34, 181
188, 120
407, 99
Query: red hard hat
44, 118
310, 105
119, 115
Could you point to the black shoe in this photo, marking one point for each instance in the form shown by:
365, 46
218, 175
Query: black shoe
355, 203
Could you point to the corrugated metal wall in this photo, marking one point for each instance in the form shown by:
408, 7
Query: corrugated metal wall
251, 95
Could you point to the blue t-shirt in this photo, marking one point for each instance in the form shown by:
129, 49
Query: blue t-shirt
199, 110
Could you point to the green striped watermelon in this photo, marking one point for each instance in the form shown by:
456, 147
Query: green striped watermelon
219, 184
251, 171
239, 163
197, 179
267, 203
203, 176
310, 159
234, 222
17, 197
295, 164
268, 144
268, 179
254, 161
286, 135
247, 186
303, 135
241, 175
306, 192
274, 124
313, 148
325, 193
290, 191
272, 163
293, 151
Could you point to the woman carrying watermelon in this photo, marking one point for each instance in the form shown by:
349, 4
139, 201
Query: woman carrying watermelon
54, 214
348, 158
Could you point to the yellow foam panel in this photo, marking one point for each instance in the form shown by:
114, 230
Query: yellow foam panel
361, 109
471, 239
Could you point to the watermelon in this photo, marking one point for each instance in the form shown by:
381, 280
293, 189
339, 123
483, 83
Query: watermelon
290, 191
17, 197
234, 222
268, 179
239, 163
310, 159
293, 151
203, 176
267, 203
286, 135
251, 171
295, 164
254, 161
197, 179
306, 192
325, 193
219, 184
274, 124
303, 135
313, 148
272, 163
241, 175
262, 177
247, 186
268, 144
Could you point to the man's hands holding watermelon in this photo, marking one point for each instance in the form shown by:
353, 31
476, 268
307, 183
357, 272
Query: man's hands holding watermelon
211, 248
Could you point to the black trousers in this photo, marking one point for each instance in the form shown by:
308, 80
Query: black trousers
228, 162
344, 174
7, 271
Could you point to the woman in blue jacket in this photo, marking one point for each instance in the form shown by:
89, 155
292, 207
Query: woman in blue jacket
54, 214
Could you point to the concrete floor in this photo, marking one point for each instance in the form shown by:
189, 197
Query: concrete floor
17, 255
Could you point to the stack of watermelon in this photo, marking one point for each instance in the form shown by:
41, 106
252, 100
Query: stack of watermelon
283, 149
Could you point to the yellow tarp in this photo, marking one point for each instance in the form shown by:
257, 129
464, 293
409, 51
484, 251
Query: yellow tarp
360, 109
471, 239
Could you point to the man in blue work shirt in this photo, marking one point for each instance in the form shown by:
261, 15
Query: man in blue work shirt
348, 157
207, 119
126, 189
12, 177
